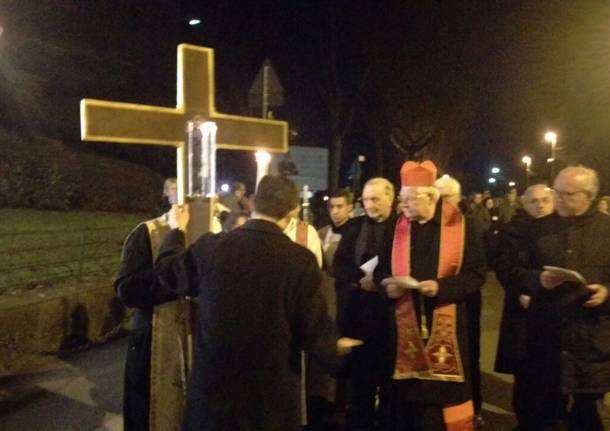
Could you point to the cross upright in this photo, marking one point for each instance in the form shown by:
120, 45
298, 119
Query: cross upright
130, 123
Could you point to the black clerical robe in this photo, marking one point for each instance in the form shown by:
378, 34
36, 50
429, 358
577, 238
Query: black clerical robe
424, 252
259, 305
138, 287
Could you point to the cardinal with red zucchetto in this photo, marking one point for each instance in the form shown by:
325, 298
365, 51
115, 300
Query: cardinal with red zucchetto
430, 264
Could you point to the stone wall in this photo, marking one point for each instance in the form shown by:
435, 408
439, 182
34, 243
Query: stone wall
54, 319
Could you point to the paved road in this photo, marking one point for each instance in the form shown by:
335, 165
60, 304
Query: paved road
83, 393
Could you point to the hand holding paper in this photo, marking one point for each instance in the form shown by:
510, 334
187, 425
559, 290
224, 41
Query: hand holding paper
553, 276
369, 266
397, 286
598, 296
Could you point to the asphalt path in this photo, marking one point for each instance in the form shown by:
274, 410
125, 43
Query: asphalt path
84, 392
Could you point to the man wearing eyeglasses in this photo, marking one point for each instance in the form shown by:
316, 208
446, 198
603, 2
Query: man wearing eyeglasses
568, 326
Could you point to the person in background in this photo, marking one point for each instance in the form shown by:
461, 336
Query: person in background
604, 204
478, 212
340, 205
511, 357
138, 287
508, 207
236, 200
235, 220
450, 192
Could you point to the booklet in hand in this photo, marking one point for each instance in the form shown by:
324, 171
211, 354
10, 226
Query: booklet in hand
566, 274
369, 266
406, 282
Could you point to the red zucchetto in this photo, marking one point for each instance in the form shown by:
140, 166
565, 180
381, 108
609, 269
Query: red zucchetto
414, 174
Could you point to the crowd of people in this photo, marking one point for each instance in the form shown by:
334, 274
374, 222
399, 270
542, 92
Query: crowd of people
373, 321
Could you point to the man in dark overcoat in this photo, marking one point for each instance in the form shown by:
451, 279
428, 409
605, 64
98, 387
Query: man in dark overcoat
511, 356
259, 305
568, 325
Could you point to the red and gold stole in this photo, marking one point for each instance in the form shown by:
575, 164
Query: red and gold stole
439, 359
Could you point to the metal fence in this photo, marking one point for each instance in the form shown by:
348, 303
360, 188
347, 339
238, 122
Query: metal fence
46, 258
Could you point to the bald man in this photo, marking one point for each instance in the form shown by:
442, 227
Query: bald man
511, 357
567, 347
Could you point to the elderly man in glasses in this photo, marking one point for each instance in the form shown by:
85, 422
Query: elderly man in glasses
568, 325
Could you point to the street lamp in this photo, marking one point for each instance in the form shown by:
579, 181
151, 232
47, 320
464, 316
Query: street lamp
492, 180
511, 184
194, 21
495, 170
551, 137
527, 161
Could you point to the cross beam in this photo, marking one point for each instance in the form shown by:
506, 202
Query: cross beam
130, 123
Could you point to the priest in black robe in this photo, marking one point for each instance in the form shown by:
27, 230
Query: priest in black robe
138, 287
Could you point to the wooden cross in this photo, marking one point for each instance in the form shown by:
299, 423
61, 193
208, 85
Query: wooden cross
130, 123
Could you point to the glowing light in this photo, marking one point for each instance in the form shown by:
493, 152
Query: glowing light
194, 21
511, 184
492, 181
550, 137
361, 158
262, 157
326, 198
550, 160
225, 188
495, 170
527, 160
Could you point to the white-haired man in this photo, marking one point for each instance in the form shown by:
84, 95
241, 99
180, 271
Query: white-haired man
449, 189
442, 251
451, 193
568, 325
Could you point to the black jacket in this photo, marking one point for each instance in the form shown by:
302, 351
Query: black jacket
362, 314
513, 326
259, 305
558, 324
138, 287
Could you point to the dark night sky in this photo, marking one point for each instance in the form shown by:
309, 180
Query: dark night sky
510, 70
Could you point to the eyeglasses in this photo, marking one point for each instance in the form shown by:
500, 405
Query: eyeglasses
412, 198
564, 195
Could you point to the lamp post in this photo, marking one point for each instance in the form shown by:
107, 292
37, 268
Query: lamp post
527, 161
551, 137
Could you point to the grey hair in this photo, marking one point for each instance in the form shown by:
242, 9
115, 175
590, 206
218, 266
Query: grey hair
587, 176
388, 187
448, 186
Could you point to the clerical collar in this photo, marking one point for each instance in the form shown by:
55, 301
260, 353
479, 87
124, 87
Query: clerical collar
435, 218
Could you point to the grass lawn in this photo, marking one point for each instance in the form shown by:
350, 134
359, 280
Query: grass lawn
26, 219
49, 248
